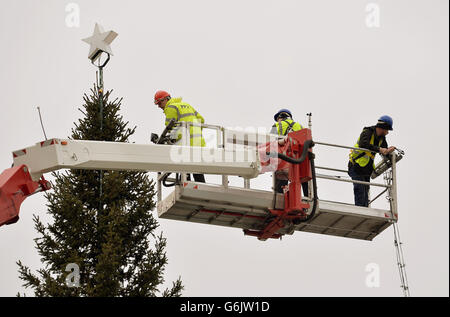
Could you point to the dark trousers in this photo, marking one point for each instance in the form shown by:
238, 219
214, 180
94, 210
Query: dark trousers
197, 177
279, 183
361, 191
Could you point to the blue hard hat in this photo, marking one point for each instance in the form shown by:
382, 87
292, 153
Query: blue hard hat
385, 122
275, 117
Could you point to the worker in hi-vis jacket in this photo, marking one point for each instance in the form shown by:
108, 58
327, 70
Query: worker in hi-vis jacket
361, 163
175, 108
282, 126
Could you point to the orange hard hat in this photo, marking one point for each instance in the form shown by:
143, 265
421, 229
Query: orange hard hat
161, 94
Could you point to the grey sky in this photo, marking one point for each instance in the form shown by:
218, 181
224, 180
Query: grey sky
238, 62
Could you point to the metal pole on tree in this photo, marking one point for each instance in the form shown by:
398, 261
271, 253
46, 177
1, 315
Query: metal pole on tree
100, 85
100, 96
99, 43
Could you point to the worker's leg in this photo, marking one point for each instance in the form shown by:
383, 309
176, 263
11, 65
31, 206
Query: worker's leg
366, 178
360, 191
279, 183
199, 178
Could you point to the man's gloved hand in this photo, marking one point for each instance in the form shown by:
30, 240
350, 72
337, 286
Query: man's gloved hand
387, 151
154, 138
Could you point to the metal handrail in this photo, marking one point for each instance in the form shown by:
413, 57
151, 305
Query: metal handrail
351, 181
390, 187
331, 169
185, 126
345, 147
344, 171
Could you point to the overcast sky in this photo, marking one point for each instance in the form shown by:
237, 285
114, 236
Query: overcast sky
237, 62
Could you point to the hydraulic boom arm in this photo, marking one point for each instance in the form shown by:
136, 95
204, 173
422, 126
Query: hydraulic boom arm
291, 156
26, 175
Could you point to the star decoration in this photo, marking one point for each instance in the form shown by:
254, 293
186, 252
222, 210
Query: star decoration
100, 42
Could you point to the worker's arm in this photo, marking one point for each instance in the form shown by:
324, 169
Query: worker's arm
364, 141
171, 113
199, 117
384, 149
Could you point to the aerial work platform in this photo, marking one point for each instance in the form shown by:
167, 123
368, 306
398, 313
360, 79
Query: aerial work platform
248, 209
237, 153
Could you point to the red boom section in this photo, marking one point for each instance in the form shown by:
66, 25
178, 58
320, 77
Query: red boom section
297, 174
16, 185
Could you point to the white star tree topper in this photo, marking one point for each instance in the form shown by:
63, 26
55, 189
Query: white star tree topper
100, 42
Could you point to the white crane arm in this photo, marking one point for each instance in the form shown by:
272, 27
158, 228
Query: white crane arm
55, 154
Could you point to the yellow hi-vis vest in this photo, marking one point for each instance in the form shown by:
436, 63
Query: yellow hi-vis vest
182, 111
362, 158
286, 126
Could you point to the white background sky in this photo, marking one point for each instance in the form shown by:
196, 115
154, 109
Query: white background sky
237, 62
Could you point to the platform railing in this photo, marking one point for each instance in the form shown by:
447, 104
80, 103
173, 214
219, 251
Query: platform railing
390, 177
184, 128
221, 142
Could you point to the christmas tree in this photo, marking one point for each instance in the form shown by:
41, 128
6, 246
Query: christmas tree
101, 240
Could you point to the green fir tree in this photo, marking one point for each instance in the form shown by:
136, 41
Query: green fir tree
109, 237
